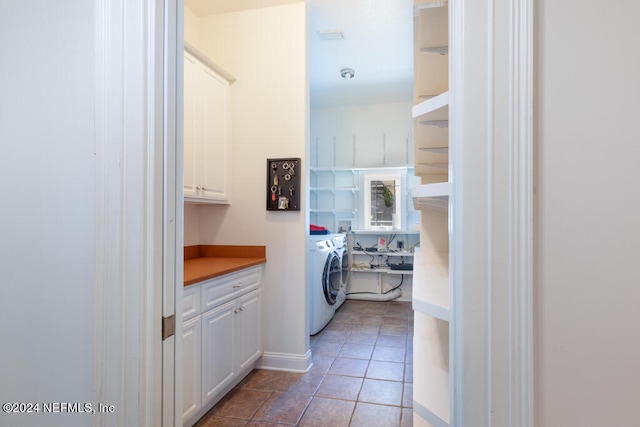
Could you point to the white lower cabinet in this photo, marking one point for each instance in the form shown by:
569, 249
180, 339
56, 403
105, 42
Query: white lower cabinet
191, 353
218, 344
222, 343
249, 336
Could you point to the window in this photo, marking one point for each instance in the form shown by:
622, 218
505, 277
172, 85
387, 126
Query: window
382, 201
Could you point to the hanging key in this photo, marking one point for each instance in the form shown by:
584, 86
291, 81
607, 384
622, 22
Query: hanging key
273, 193
275, 180
291, 190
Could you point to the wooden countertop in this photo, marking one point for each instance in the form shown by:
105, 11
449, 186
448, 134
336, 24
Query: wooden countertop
203, 262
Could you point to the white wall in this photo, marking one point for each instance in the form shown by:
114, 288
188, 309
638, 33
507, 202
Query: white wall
47, 173
588, 280
363, 136
269, 120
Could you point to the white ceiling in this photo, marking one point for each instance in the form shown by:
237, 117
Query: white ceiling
377, 44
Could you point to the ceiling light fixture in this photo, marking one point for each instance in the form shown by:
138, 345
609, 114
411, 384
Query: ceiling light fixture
347, 73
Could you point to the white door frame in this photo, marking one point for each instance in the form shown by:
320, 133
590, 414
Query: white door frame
138, 210
492, 222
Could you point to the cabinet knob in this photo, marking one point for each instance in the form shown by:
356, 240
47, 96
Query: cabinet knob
235, 311
241, 308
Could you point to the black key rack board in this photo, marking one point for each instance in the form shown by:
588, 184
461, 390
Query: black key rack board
283, 184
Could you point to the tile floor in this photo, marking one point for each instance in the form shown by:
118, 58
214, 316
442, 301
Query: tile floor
362, 375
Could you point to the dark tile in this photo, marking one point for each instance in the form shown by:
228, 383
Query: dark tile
374, 311
391, 341
407, 418
321, 364
399, 321
408, 372
385, 370
371, 319
285, 408
409, 355
300, 383
346, 317
327, 349
382, 392
211, 421
356, 351
344, 327
264, 424
340, 387
362, 339
370, 415
365, 329
323, 412
398, 314
331, 335
350, 367
262, 379
389, 354
240, 403
407, 395
394, 330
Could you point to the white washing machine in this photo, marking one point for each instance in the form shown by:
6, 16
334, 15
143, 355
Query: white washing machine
340, 245
325, 285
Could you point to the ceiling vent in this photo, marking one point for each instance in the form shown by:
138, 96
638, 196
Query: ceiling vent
331, 35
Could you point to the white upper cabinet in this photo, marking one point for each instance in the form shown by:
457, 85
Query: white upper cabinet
206, 132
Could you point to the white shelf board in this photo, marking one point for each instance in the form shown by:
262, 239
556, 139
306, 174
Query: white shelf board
434, 196
435, 150
428, 4
437, 50
358, 169
377, 270
333, 211
431, 387
385, 253
334, 189
385, 231
440, 165
436, 108
442, 124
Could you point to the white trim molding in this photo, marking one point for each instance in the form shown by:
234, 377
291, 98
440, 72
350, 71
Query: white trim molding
285, 362
492, 212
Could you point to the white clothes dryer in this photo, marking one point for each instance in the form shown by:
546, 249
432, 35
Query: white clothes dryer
340, 245
324, 282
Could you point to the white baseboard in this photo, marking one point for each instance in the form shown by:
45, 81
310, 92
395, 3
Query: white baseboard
285, 362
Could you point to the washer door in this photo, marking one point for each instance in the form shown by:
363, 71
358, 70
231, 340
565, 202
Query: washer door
332, 278
345, 267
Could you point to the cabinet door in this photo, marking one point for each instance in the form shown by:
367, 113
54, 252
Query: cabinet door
249, 333
212, 163
191, 353
191, 66
218, 342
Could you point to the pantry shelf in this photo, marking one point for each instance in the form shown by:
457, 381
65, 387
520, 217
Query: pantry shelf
434, 196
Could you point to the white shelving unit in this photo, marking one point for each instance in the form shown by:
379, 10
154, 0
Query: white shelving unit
334, 198
371, 276
432, 392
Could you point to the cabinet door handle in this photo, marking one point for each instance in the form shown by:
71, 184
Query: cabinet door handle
235, 311
241, 308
